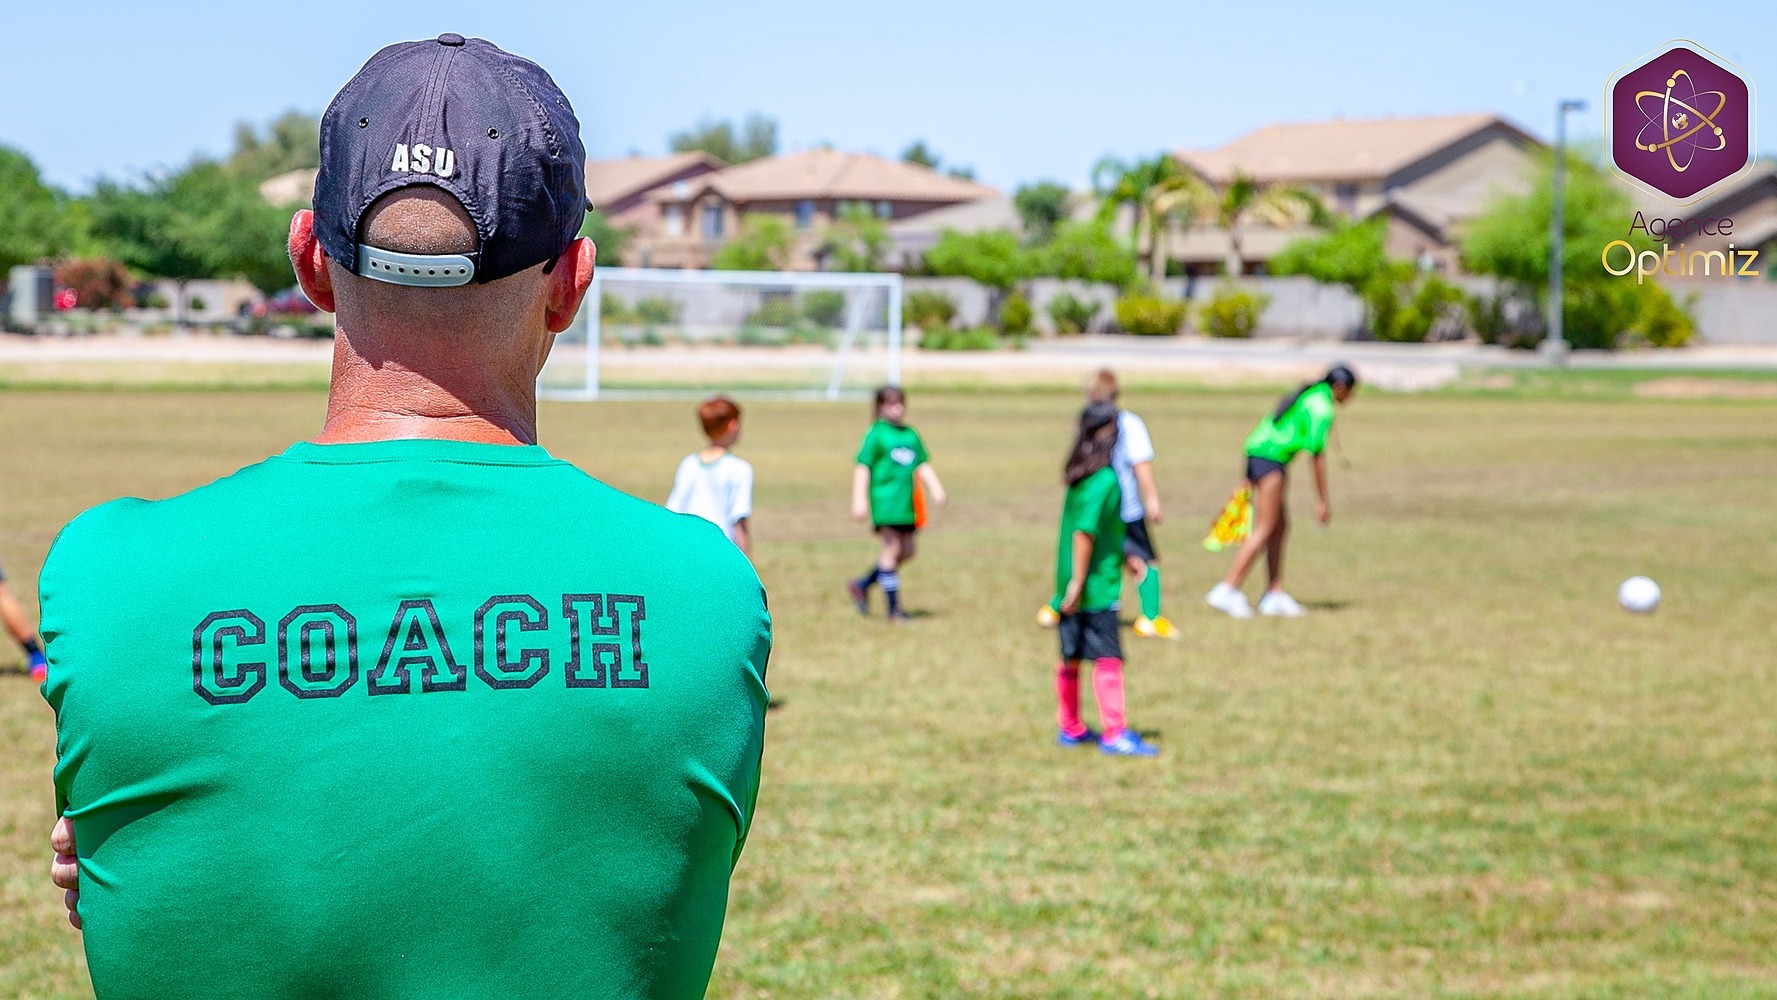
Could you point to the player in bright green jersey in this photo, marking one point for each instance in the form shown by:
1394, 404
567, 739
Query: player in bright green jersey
414, 709
890, 484
1300, 422
1088, 583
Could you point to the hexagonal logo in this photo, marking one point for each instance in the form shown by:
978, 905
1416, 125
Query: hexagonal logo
1679, 122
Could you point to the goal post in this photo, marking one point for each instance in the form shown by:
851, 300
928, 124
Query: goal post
649, 332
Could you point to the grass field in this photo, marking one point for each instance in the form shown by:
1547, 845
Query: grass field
1466, 774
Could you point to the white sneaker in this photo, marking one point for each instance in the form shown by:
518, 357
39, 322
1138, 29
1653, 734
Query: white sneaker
1280, 604
1229, 601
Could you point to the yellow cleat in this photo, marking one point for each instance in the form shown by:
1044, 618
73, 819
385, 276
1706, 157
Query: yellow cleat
1047, 618
1156, 628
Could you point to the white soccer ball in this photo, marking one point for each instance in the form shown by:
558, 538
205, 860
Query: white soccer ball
1639, 594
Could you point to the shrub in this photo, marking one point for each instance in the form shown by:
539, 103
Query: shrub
980, 338
1232, 312
1015, 314
1664, 321
1405, 309
613, 309
1072, 315
98, 282
657, 310
775, 310
1150, 315
929, 310
823, 307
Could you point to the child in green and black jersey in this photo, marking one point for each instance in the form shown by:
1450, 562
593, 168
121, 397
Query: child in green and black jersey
890, 483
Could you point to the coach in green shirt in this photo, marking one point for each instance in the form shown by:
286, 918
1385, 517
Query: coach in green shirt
414, 709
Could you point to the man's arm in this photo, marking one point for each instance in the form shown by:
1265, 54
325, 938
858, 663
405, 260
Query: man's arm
1076, 581
860, 493
1150, 494
928, 476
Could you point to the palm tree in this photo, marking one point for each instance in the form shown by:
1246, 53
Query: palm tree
1136, 184
1280, 205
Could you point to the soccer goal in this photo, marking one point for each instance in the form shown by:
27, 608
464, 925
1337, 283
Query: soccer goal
667, 333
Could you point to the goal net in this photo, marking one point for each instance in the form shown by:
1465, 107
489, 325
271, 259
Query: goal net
666, 333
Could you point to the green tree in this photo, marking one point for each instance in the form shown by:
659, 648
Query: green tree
1155, 190
753, 139
611, 240
201, 222
1510, 240
34, 218
856, 242
920, 154
1244, 200
1085, 251
994, 258
1041, 207
1401, 302
292, 141
764, 244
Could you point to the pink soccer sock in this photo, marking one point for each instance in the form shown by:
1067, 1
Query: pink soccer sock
1067, 698
1107, 687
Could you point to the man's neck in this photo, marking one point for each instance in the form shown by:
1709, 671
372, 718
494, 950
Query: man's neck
458, 403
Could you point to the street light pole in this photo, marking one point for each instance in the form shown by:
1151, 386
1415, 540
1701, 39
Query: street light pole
1555, 345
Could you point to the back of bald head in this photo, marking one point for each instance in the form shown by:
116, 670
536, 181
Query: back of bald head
427, 220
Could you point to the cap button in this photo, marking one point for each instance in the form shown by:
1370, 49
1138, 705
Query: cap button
450, 38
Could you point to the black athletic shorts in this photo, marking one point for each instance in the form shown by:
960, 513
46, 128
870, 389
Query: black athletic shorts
1090, 635
1258, 468
1137, 542
904, 530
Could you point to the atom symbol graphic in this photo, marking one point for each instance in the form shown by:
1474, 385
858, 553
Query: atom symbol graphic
1675, 131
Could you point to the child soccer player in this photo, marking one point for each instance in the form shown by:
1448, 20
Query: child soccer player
22, 632
1134, 463
1088, 581
715, 484
892, 466
1300, 422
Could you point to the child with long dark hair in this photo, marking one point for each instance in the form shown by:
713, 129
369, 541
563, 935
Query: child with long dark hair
1088, 582
1300, 422
892, 466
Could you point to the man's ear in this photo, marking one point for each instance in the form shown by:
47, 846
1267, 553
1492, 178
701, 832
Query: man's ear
568, 282
309, 261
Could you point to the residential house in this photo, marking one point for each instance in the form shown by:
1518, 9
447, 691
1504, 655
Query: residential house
686, 222
1427, 175
620, 188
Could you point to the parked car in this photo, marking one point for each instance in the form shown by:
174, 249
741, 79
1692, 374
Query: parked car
289, 302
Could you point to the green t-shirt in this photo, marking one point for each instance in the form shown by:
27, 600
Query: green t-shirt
1303, 427
892, 454
404, 719
1094, 506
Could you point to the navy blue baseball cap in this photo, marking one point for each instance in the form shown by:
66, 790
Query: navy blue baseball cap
462, 115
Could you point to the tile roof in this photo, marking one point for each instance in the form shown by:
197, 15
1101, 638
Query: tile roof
831, 173
1339, 150
611, 180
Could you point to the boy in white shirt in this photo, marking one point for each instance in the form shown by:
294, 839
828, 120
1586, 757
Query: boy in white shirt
715, 484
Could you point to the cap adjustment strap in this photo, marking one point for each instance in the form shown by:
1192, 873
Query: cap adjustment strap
445, 270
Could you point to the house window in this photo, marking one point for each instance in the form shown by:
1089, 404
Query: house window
884, 210
674, 222
712, 222
1345, 195
804, 214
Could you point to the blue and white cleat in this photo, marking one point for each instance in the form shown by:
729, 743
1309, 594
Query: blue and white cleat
1085, 739
1128, 744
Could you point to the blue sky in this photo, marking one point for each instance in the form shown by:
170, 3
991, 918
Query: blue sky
1019, 91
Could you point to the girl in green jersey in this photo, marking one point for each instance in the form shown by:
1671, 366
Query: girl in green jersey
1300, 423
892, 467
